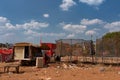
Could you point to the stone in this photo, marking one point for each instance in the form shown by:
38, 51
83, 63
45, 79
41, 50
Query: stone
119, 72
102, 69
64, 66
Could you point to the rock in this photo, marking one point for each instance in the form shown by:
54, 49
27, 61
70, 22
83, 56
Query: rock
58, 67
72, 66
48, 79
102, 69
119, 72
57, 72
64, 66
82, 65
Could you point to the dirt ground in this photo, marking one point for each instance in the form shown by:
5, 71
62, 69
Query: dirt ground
63, 71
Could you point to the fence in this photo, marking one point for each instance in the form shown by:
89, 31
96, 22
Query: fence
73, 47
106, 51
107, 48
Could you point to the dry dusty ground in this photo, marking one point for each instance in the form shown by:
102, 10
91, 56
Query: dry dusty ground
63, 71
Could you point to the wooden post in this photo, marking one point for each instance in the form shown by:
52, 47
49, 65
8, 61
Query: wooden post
30, 53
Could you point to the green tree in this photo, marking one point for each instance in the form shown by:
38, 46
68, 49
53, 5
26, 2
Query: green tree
110, 44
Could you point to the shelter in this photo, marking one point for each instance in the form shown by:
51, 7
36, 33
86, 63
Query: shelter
26, 51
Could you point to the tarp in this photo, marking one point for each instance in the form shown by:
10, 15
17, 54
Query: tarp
5, 54
6, 51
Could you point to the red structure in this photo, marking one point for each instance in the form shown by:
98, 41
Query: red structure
5, 54
50, 48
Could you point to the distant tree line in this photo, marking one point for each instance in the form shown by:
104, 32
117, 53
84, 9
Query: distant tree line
109, 44
6, 45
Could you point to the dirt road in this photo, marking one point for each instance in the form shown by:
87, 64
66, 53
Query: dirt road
63, 71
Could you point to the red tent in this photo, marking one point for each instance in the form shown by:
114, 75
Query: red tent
5, 54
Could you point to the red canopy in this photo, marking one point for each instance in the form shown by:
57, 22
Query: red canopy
6, 51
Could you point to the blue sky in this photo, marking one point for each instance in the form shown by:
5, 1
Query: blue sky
51, 20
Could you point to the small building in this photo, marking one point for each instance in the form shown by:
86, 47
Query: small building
26, 51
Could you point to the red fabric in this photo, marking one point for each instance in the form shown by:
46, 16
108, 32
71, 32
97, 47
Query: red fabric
6, 51
52, 47
5, 54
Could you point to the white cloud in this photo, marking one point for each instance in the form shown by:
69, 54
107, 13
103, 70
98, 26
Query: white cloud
3, 20
32, 25
66, 4
114, 26
53, 34
74, 28
7, 36
92, 2
90, 32
31, 32
46, 15
79, 29
29, 39
9, 26
71, 36
96, 29
91, 22
8, 30
5, 24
